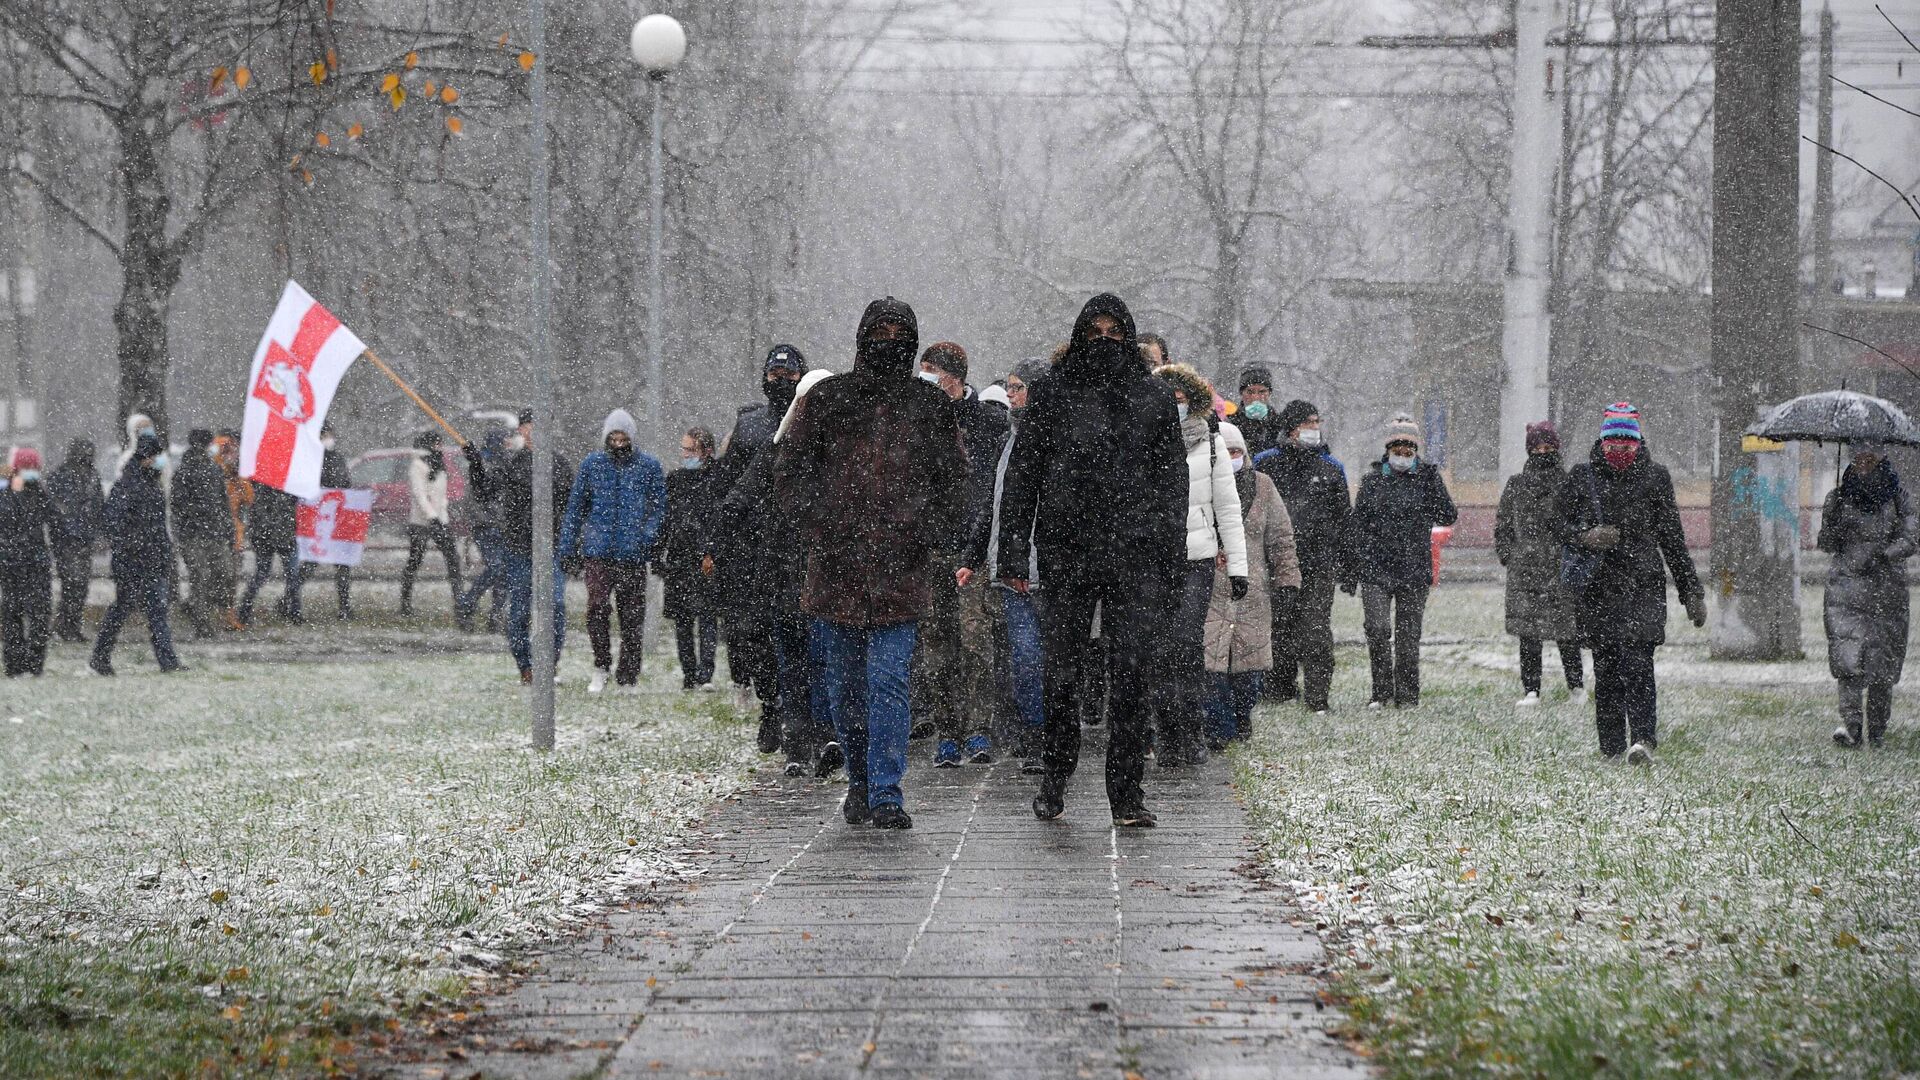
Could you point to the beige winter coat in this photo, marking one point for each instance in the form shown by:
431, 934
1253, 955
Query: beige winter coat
1240, 632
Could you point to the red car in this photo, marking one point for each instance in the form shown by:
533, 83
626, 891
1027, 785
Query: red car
385, 471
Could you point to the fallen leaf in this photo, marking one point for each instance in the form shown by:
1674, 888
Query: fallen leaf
354, 131
387, 84
241, 77
231, 1012
449, 95
323, 910
1845, 940
319, 72
398, 95
218, 896
219, 76
1469, 874
238, 974
324, 140
454, 125
526, 61
413, 60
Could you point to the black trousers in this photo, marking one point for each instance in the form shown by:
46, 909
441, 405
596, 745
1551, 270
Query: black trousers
697, 636
1530, 664
751, 660
75, 567
1394, 618
1181, 683
342, 584
1625, 700
1879, 701
419, 538
26, 616
803, 729
1130, 605
1303, 641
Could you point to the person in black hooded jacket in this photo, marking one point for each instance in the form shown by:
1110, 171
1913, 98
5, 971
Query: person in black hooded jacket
26, 565
1315, 491
79, 508
203, 528
746, 622
1098, 480
136, 525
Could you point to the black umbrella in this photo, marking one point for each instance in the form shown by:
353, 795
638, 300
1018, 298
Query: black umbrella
1838, 416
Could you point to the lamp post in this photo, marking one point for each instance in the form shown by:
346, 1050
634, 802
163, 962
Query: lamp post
659, 43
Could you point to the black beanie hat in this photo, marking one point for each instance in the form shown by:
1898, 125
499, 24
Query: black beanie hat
1296, 413
784, 358
1256, 374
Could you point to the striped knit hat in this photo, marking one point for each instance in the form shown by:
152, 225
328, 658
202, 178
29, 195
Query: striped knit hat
1402, 428
1622, 422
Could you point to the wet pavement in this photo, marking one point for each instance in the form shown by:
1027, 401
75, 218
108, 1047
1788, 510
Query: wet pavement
981, 943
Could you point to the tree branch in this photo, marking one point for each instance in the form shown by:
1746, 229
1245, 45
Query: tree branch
53, 197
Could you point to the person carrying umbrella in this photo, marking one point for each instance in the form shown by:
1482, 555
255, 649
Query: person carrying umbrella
1868, 526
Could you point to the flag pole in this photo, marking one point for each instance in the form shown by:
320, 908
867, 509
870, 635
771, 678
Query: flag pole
417, 399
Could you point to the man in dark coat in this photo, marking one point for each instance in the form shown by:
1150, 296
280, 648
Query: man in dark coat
273, 531
1315, 491
1257, 421
872, 470
1619, 505
507, 485
686, 564
204, 530
136, 526
751, 661
1526, 540
79, 509
953, 666
1098, 480
26, 564
1402, 500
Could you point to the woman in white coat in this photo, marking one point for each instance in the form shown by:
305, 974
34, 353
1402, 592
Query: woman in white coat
429, 519
1214, 528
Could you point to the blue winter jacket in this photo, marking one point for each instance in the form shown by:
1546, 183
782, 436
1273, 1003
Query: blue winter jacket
615, 511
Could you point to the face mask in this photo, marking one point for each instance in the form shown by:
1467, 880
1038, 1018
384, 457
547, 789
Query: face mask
158, 463
691, 462
1256, 411
932, 377
1239, 462
29, 476
1310, 436
888, 355
1401, 462
779, 394
621, 454
1182, 409
1106, 353
1620, 454
516, 443
326, 444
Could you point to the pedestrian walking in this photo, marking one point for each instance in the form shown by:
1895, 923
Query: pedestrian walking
1016, 612
686, 564
78, 503
1257, 421
1099, 483
136, 524
1402, 500
204, 530
1618, 510
1215, 530
506, 483
752, 665
1867, 524
613, 520
26, 565
336, 473
953, 678
1526, 539
873, 474
273, 522
226, 446
1239, 630
429, 519
1315, 490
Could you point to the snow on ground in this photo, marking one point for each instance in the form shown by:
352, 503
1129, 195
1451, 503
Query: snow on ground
1502, 901
284, 840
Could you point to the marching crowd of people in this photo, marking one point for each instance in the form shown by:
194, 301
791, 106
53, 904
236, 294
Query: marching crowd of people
1098, 537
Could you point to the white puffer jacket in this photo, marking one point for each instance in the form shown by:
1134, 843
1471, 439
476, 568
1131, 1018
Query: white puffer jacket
429, 493
1213, 505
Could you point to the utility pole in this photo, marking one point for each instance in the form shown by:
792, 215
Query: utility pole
1819, 369
1526, 338
1755, 331
541, 703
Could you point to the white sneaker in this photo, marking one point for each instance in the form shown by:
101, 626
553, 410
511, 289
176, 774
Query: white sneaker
1376, 704
1639, 754
743, 699
1320, 712
1530, 701
1843, 737
1577, 696
598, 682
709, 688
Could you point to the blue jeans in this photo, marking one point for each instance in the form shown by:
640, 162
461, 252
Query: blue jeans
150, 593
519, 572
262, 570
1230, 705
867, 675
1028, 666
491, 578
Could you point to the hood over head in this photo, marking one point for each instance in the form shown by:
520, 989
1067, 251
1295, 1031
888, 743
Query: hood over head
146, 447
80, 454
1085, 363
199, 438
619, 420
896, 357
137, 422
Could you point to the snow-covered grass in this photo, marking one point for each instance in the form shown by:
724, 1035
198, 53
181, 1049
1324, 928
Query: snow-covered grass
230, 868
1501, 901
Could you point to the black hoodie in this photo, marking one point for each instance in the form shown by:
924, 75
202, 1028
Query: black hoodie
1098, 475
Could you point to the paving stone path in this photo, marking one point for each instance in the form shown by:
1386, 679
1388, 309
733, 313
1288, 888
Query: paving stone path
982, 943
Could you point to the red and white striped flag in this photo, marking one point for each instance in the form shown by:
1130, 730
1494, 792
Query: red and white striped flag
295, 371
333, 528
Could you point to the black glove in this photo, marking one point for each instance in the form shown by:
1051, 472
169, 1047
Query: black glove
571, 565
472, 454
1349, 587
1697, 609
1239, 587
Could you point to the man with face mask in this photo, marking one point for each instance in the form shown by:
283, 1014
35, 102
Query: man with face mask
506, 483
79, 507
741, 591
1256, 420
204, 531
872, 472
613, 520
1402, 499
1097, 486
136, 520
1315, 491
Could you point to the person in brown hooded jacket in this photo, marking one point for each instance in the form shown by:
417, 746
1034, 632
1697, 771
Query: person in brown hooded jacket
872, 474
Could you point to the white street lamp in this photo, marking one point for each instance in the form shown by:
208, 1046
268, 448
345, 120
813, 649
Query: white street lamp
659, 43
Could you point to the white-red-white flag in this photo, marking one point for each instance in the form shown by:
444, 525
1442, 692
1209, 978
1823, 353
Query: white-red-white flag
295, 371
333, 528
